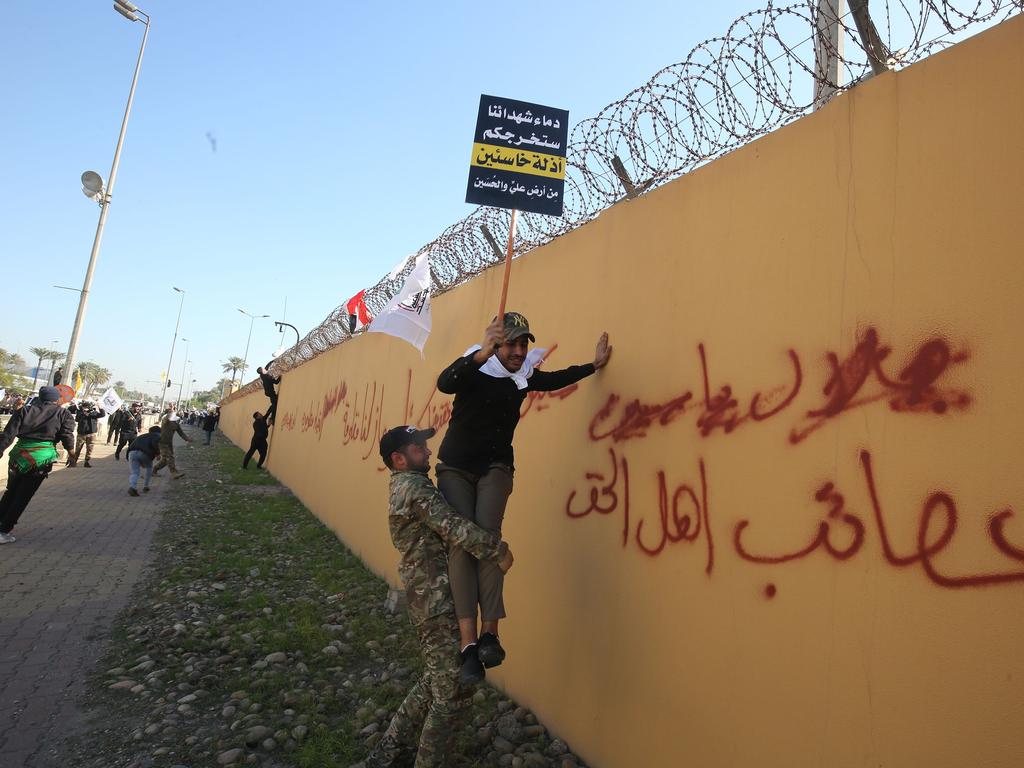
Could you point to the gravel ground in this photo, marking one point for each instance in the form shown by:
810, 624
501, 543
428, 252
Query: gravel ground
258, 639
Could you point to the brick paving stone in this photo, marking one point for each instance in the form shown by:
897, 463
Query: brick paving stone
83, 543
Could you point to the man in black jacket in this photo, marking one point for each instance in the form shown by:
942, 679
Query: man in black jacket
268, 389
209, 424
37, 429
490, 383
141, 453
260, 430
114, 424
131, 425
88, 418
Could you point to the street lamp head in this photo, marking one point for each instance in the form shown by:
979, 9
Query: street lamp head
128, 13
177, 289
92, 185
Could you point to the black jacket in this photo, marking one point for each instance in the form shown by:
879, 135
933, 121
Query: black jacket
115, 419
486, 411
210, 422
88, 423
268, 383
260, 430
149, 444
40, 421
129, 424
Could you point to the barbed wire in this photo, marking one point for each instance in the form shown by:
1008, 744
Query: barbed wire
729, 90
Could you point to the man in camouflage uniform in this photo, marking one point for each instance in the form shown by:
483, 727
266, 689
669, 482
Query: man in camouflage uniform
169, 427
423, 528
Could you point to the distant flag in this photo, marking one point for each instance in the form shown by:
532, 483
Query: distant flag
407, 315
358, 314
78, 383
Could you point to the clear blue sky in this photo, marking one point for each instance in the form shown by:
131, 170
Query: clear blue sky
343, 134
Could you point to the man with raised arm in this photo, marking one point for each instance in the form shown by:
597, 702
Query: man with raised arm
269, 381
490, 382
37, 430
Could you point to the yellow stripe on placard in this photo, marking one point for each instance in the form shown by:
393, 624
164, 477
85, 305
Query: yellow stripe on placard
518, 160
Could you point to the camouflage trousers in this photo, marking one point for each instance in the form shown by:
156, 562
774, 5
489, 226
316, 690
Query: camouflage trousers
166, 459
426, 723
83, 441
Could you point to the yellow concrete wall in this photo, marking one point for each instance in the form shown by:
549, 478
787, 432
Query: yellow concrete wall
768, 533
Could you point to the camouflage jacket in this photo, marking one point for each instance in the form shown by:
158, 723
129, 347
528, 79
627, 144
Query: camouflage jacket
168, 429
423, 526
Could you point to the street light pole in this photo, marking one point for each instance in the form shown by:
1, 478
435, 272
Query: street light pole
181, 383
252, 320
281, 324
129, 11
53, 362
170, 360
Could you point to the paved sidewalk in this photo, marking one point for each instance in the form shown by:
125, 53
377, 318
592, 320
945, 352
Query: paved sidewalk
82, 545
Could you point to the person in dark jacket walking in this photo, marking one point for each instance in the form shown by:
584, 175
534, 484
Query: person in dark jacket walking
37, 430
141, 453
490, 383
209, 424
268, 389
260, 430
114, 424
88, 418
131, 425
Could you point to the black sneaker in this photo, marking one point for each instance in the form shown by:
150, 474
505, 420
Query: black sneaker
472, 671
489, 650
87, 464
132, 492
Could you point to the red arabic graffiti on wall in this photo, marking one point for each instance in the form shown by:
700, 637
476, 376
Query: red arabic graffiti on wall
865, 376
856, 381
362, 411
683, 516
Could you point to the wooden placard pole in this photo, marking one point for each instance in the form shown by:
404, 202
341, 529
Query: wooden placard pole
508, 264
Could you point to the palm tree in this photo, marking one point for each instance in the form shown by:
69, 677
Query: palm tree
93, 375
9, 360
84, 371
232, 366
100, 376
42, 353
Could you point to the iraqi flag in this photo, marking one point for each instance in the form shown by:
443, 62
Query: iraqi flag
358, 314
407, 315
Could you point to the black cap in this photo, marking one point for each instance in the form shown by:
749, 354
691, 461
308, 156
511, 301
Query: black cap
399, 437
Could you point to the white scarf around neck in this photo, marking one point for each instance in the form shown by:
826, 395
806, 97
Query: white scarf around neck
494, 368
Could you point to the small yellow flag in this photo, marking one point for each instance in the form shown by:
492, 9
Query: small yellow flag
78, 382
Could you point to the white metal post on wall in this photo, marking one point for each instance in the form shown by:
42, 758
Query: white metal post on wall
829, 42
828, 50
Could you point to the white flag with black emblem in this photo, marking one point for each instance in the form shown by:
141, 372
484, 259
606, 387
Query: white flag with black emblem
407, 315
110, 401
